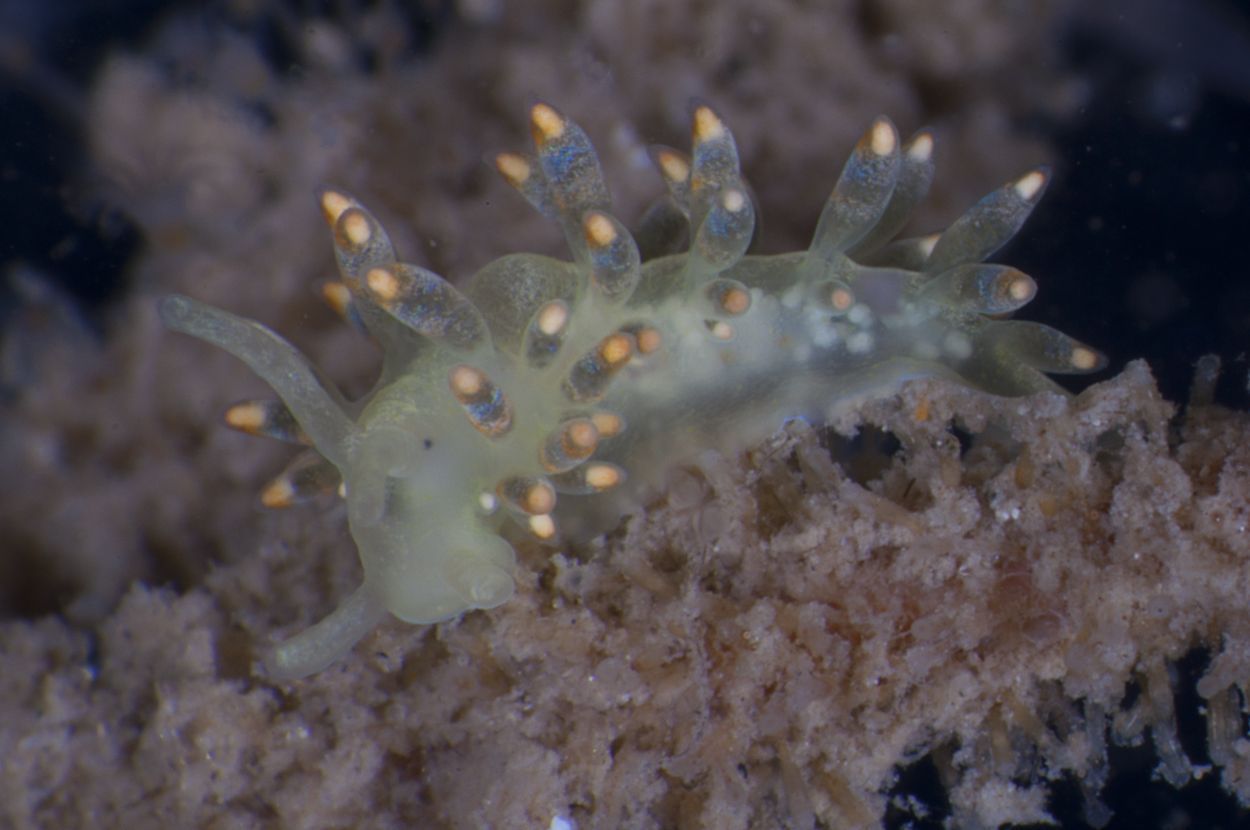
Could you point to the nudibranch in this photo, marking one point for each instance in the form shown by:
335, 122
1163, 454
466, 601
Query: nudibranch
554, 393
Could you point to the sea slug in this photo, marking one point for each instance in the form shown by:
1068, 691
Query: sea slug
555, 394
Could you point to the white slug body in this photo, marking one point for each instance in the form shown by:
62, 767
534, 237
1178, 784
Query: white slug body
553, 393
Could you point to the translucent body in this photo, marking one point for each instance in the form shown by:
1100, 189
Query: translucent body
547, 383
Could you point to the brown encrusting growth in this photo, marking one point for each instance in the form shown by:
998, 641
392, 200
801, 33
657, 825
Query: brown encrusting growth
761, 649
